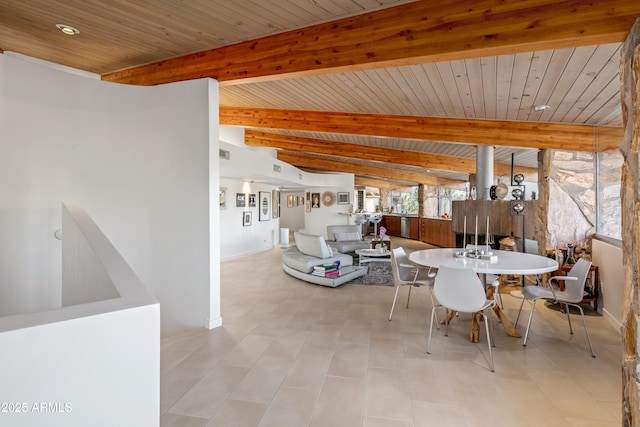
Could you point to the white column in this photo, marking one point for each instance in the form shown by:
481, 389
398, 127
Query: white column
484, 171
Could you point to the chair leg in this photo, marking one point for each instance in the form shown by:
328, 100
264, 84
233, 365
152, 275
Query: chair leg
486, 325
584, 322
433, 315
409, 296
569, 318
526, 334
446, 322
515, 325
434, 305
500, 298
493, 341
394, 302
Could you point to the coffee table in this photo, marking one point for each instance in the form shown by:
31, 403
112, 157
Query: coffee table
368, 255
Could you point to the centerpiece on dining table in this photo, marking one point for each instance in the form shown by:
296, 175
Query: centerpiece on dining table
476, 251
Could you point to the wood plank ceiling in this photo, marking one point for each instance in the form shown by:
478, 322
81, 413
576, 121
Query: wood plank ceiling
345, 83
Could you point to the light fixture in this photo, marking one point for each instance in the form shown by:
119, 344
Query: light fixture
541, 107
518, 178
68, 29
518, 208
517, 193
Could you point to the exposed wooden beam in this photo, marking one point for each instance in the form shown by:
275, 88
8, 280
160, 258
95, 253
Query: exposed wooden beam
381, 154
420, 32
317, 163
486, 132
357, 151
379, 183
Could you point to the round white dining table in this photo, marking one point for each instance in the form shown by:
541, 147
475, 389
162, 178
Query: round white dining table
505, 262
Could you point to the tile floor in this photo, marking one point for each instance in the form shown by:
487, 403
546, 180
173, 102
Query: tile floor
296, 354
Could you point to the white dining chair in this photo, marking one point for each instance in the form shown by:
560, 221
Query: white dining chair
461, 289
489, 279
573, 293
406, 273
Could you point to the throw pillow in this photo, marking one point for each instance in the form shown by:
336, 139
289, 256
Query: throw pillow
341, 237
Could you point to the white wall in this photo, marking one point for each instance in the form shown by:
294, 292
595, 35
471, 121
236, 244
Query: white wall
608, 258
100, 370
136, 158
250, 170
292, 217
317, 220
238, 240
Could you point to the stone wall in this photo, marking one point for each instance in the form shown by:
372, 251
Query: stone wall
630, 208
428, 194
609, 180
571, 187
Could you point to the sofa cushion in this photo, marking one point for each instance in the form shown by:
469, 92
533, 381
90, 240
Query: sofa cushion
310, 244
341, 237
349, 246
296, 260
333, 229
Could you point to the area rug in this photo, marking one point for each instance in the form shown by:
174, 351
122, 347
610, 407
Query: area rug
378, 273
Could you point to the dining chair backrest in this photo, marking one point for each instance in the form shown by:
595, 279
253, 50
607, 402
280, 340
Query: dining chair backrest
401, 273
531, 246
459, 289
395, 263
575, 288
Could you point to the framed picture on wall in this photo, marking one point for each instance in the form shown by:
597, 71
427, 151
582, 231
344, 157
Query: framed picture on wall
241, 200
308, 205
223, 197
252, 200
246, 218
315, 200
343, 198
300, 200
275, 204
289, 201
264, 211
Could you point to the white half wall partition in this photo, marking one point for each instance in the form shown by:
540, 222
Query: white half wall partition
141, 160
94, 361
608, 257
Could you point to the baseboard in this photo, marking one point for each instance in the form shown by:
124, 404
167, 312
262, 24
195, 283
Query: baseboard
249, 253
612, 321
213, 323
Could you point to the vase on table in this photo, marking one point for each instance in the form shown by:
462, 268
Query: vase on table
571, 255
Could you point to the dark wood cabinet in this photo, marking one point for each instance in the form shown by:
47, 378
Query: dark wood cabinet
414, 228
437, 232
392, 224
429, 230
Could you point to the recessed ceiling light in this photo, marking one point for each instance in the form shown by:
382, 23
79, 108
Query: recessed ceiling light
68, 29
541, 107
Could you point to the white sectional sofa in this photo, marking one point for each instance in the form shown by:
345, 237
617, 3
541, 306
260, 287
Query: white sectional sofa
311, 250
346, 238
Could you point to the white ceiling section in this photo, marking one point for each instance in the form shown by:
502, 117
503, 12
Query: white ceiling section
580, 83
